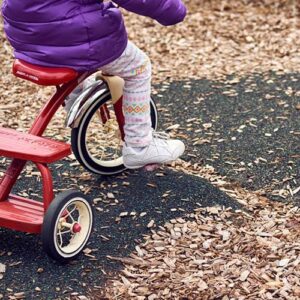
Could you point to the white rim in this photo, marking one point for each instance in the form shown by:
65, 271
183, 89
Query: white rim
109, 163
112, 163
64, 227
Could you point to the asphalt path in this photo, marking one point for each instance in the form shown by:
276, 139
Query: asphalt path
158, 196
248, 129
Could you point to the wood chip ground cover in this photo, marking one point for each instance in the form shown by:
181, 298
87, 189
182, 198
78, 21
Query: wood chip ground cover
212, 253
220, 254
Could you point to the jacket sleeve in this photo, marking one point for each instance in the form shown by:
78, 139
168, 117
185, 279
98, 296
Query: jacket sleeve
166, 12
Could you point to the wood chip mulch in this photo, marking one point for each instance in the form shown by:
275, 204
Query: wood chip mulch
216, 39
217, 253
222, 37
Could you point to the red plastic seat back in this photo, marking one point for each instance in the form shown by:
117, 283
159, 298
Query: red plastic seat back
43, 75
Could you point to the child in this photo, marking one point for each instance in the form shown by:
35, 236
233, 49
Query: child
90, 35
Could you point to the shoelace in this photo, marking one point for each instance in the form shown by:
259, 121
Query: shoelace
161, 135
160, 138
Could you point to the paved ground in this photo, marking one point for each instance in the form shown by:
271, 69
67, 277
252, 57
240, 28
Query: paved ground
247, 129
23, 255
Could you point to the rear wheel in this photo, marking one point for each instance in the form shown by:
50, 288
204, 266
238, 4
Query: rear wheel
67, 226
97, 142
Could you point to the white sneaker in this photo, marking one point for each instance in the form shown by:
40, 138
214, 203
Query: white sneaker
161, 150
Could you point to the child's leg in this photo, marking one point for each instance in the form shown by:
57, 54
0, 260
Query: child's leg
135, 68
142, 147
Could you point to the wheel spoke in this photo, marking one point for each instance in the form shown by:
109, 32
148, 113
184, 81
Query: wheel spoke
63, 232
70, 213
60, 237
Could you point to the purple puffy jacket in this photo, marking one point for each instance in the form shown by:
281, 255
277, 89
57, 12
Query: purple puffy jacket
81, 34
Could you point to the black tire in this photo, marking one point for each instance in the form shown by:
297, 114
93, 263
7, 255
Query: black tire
79, 140
53, 224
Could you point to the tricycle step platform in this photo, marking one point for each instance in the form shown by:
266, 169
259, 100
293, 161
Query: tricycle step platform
26, 146
21, 214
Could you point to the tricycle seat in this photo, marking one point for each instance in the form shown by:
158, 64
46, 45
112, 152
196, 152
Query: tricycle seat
43, 75
25, 146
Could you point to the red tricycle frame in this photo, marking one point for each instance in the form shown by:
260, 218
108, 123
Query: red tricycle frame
17, 212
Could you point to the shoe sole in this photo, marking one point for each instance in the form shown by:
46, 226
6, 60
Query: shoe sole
150, 164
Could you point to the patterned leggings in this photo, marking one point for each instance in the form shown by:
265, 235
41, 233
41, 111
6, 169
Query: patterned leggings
135, 68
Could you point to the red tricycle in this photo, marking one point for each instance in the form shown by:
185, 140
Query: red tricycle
96, 119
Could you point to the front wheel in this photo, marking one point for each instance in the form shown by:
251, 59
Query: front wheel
97, 140
67, 226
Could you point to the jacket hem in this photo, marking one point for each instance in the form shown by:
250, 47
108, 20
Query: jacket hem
91, 67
